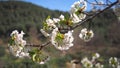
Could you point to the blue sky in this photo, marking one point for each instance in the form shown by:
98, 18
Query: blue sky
63, 5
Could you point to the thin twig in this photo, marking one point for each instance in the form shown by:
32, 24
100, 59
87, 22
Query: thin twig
41, 46
96, 3
34, 45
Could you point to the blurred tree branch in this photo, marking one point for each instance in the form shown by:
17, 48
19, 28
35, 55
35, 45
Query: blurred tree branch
41, 46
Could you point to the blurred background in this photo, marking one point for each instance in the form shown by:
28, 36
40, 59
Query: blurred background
28, 15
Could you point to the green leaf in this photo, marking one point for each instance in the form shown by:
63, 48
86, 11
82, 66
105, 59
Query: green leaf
12, 42
45, 26
48, 17
31, 53
59, 37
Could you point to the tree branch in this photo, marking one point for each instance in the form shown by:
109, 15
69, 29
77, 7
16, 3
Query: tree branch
41, 46
91, 17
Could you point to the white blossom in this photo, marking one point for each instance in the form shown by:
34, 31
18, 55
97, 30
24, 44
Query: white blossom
95, 56
75, 18
15, 32
41, 62
18, 38
18, 51
75, 7
50, 23
113, 61
118, 66
86, 63
82, 16
61, 17
44, 33
98, 65
86, 35
53, 35
15, 50
56, 20
22, 54
62, 44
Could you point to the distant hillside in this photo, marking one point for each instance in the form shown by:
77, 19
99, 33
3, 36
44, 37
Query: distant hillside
22, 16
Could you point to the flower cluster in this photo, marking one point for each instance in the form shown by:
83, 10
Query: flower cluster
113, 61
87, 63
92, 63
86, 35
18, 48
50, 24
17, 44
51, 27
77, 10
62, 41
